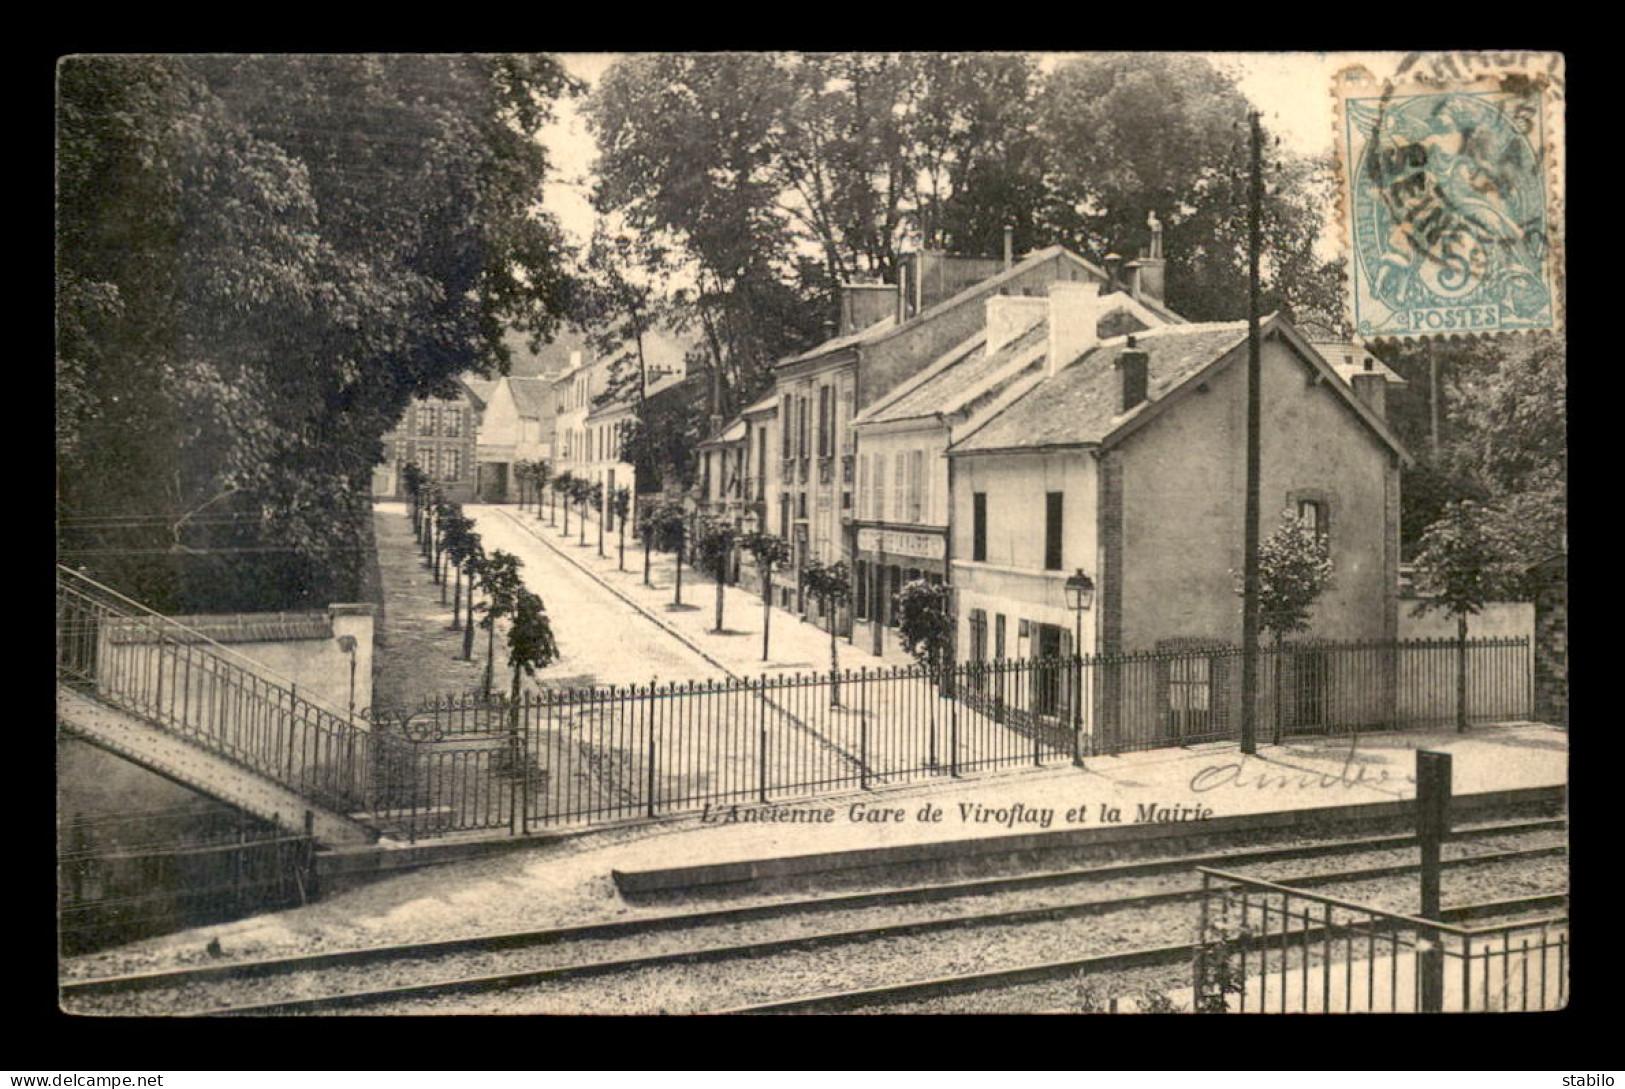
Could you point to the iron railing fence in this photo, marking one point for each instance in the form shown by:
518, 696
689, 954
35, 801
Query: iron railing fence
472, 764
124, 654
1154, 699
121, 879
1267, 948
616, 753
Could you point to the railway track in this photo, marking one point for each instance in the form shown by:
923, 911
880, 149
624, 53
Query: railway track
1044, 971
421, 958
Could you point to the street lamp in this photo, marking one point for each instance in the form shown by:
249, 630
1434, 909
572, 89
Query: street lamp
1080, 594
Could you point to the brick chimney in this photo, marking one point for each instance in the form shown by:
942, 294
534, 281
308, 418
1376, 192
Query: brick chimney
1134, 364
1145, 278
1075, 310
1371, 387
1008, 316
864, 304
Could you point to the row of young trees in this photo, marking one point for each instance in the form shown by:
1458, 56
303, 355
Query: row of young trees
452, 548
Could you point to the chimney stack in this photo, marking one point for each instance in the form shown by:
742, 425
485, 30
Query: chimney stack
1009, 316
1134, 363
1146, 276
1112, 260
1371, 387
1075, 310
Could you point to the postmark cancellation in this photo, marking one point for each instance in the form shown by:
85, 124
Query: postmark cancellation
1450, 187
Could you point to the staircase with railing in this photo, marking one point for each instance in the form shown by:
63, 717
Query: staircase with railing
248, 735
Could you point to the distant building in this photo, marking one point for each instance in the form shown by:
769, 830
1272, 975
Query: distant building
438, 434
517, 426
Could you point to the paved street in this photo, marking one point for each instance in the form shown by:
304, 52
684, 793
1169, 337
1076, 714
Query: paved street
617, 635
602, 639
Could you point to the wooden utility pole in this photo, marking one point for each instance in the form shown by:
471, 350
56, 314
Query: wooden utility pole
1249, 609
1433, 398
1432, 826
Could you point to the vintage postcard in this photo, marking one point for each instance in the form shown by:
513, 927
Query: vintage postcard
771, 532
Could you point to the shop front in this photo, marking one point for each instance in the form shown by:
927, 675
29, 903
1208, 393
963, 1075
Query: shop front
886, 557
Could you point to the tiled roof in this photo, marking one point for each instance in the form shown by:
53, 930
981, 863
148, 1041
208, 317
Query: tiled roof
481, 389
886, 326
951, 387
1081, 404
531, 396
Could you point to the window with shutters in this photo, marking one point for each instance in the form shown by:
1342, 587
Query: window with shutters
899, 488
824, 445
879, 511
786, 419
978, 539
916, 485
452, 421
1052, 531
452, 463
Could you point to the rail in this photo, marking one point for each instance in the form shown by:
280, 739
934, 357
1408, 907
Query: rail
130, 657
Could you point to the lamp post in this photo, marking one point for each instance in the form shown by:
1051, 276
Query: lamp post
1080, 595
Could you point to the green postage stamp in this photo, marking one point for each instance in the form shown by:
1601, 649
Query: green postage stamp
1451, 187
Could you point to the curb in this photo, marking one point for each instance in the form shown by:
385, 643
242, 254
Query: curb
685, 640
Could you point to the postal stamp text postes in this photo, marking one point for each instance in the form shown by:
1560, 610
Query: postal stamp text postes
1450, 224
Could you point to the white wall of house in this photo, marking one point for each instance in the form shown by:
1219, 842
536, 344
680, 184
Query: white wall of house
1012, 580
902, 475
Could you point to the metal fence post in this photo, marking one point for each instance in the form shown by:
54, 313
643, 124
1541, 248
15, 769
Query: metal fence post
1077, 710
653, 708
1432, 825
761, 738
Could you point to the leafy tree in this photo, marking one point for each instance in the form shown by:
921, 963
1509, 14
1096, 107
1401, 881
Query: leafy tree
413, 481
531, 646
666, 526
521, 472
648, 529
1465, 563
540, 471
769, 551
596, 497
716, 540
924, 627
261, 261
563, 487
531, 643
927, 633
1129, 134
462, 545
621, 505
831, 586
581, 492
1294, 569
499, 578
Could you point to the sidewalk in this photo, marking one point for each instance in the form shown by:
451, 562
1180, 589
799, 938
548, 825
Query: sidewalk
568, 880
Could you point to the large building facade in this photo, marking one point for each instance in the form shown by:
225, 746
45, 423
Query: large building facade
438, 435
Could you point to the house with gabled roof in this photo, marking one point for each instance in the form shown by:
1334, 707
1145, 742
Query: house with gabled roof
517, 425
887, 334
1126, 463
902, 510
